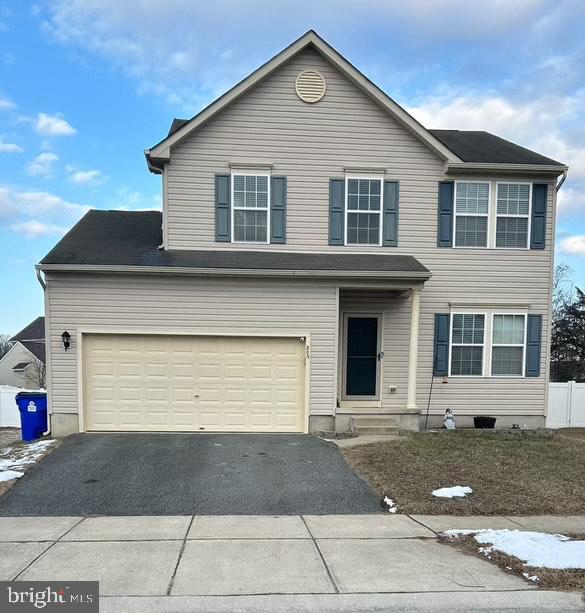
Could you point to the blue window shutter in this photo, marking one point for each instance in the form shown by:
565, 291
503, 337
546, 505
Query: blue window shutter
390, 214
278, 210
336, 211
445, 225
533, 345
538, 222
441, 353
222, 208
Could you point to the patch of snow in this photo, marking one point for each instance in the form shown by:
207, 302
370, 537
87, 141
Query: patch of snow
537, 549
460, 532
392, 508
457, 491
25, 455
530, 577
8, 475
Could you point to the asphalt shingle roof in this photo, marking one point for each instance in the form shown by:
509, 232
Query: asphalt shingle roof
33, 331
478, 146
131, 238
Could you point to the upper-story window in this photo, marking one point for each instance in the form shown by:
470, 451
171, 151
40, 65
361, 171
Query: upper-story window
513, 214
472, 205
250, 218
363, 211
490, 214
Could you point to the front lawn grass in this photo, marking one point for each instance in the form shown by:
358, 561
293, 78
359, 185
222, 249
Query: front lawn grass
511, 473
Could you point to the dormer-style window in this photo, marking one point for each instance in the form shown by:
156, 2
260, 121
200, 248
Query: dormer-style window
250, 218
363, 211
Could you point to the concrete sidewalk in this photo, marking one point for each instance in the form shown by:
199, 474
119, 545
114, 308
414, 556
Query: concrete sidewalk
278, 563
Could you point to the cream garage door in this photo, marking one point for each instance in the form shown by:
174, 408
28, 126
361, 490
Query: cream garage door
193, 383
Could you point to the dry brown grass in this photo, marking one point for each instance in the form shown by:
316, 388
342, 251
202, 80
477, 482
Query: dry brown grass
510, 474
574, 433
548, 578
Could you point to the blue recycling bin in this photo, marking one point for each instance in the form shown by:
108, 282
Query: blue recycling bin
33, 414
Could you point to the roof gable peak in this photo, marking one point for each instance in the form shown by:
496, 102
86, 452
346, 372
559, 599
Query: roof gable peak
159, 153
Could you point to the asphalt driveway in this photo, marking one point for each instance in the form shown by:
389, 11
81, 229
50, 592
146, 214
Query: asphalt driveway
202, 474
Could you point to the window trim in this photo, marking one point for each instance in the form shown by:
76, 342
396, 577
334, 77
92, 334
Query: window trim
379, 178
488, 343
482, 345
529, 215
487, 215
492, 344
233, 208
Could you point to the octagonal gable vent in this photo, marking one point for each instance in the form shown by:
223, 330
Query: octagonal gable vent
310, 86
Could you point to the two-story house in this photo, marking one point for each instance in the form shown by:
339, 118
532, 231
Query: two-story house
320, 257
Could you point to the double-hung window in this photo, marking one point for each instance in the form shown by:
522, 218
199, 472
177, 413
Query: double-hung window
472, 205
484, 344
512, 214
467, 341
508, 345
363, 211
250, 218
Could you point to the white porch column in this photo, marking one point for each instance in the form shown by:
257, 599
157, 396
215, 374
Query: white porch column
413, 350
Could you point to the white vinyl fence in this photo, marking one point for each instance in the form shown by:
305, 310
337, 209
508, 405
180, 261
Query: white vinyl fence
9, 415
566, 405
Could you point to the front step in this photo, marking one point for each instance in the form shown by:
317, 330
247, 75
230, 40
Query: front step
375, 424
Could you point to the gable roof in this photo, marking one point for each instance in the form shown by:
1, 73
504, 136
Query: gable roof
37, 348
124, 240
479, 146
159, 153
34, 331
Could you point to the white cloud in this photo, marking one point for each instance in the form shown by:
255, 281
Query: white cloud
539, 124
573, 245
37, 213
53, 125
6, 104
42, 165
10, 147
571, 200
87, 177
36, 229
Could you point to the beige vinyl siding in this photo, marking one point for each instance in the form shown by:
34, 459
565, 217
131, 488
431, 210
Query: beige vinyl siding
188, 305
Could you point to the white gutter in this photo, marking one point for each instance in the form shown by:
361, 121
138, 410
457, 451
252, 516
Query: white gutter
489, 166
40, 277
235, 272
562, 180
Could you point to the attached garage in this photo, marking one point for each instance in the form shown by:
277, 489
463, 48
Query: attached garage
193, 383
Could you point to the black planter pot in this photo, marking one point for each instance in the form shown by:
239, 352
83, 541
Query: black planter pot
484, 422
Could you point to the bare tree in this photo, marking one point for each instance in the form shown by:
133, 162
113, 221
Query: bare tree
5, 344
35, 373
563, 289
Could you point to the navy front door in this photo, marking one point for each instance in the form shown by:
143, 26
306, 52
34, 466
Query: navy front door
361, 367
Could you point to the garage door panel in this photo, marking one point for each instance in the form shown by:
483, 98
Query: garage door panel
152, 383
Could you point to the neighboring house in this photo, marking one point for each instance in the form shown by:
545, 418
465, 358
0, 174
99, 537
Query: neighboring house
320, 256
24, 363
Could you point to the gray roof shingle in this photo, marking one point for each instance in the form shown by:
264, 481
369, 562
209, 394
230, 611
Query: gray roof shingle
33, 331
478, 146
131, 238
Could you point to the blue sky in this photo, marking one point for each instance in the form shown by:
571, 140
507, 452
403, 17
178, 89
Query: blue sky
87, 85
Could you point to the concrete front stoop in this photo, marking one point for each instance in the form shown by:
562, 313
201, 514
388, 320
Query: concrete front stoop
375, 424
